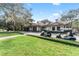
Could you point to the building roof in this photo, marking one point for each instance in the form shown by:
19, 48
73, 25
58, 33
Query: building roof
50, 24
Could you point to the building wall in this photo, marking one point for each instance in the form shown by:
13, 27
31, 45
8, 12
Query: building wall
51, 28
38, 28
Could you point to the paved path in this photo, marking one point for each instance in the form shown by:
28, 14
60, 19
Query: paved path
77, 37
53, 35
32, 33
38, 33
8, 37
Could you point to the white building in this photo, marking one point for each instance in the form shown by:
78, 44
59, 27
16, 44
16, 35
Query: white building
56, 26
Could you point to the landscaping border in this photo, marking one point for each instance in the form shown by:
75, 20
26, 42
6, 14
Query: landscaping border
67, 42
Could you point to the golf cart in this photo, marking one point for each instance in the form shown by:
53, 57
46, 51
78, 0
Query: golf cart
46, 33
70, 37
59, 36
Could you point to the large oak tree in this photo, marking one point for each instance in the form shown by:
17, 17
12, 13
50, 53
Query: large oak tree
15, 16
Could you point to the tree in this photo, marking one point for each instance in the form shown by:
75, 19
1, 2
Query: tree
70, 15
15, 15
46, 21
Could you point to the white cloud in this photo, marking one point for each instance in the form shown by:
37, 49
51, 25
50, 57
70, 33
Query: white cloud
57, 13
29, 4
56, 3
54, 16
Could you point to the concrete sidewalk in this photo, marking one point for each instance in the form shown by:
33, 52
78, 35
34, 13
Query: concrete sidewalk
77, 37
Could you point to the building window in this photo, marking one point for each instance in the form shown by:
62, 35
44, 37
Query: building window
43, 28
53, 28
58, 28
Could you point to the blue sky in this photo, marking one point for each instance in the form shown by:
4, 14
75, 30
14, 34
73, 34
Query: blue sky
50, 11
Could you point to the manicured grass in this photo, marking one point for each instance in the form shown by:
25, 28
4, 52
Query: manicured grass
2, 34
32, 46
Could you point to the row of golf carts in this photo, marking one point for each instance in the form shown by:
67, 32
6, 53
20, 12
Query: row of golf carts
46, 33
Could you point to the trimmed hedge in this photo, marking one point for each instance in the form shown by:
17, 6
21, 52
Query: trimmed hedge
67, 42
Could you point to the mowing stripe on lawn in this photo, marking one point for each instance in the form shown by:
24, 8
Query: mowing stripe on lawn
8, 37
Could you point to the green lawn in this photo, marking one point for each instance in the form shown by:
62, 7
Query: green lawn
32, 46
2, 34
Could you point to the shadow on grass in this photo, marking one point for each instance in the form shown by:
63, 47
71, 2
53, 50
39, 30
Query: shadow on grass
67, 42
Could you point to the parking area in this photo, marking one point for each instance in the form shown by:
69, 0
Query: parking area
53, 35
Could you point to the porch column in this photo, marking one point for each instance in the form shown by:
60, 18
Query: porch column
31, 28
55, 28
50, 28
38, 29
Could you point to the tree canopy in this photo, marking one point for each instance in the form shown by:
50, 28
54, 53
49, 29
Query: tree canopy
70, 15
15, 16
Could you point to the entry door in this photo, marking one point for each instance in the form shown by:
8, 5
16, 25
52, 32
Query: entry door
53, 28
34, 28
27, 29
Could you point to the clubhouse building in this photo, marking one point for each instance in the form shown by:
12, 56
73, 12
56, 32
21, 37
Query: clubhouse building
52, 26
